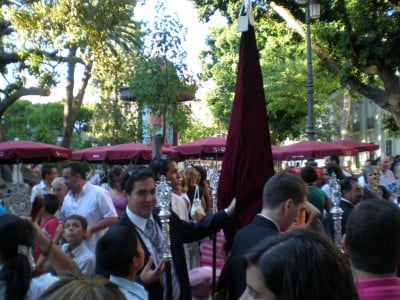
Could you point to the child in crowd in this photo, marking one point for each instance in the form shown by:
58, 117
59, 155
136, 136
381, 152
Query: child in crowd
120, 255
48, 225
75, 227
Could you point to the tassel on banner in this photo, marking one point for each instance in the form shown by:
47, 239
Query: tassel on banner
246, 16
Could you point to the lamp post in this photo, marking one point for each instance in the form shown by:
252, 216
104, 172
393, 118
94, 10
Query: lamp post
312, 12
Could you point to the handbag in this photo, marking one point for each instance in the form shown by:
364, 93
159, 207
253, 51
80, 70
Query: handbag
196, 205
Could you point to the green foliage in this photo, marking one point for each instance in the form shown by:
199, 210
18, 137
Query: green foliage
283, 63
391, 127
114, 122
41, 122
15, 121
195, 131
357, 39
160, 74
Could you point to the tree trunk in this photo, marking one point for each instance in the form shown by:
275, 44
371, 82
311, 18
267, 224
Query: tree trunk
73, 104
344, 126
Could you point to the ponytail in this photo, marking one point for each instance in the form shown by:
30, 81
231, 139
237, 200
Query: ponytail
16, 274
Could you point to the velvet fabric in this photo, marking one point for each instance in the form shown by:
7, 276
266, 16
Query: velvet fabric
247, 160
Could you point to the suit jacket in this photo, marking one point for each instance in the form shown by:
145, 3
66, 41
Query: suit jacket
180, 232
246, 238
347, 208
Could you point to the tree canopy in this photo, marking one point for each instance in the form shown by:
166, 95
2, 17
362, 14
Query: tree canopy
355, 40
70, 40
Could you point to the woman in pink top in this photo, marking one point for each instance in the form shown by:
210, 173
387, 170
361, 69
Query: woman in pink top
117, 195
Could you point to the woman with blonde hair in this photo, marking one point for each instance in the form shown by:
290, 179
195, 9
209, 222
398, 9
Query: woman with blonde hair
83, 287
195, 194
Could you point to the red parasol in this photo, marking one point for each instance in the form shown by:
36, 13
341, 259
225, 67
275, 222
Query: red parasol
31, 152
310, 149
204, 147
357, 145
119, 154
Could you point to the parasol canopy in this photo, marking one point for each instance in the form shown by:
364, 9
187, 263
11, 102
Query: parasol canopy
31, 152
310, 149
203, 147
119, 154
357, 145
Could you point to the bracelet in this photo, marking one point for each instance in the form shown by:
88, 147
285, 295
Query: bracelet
47, 252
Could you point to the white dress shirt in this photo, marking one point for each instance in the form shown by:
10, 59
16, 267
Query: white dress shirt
40, 189
179, 207
131, 290
82, 256
94, 203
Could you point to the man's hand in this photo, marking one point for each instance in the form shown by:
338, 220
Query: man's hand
199, 214
231, 209
148, 276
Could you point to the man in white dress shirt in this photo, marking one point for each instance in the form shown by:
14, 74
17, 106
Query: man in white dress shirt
48, 174
90, 201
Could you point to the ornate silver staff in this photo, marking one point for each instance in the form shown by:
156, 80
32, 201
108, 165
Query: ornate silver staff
163, 194
336, 211
214, 179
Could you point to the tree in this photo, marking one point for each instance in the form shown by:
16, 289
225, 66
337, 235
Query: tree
12, 66
160, 75
356, 40
41, 122
66, 38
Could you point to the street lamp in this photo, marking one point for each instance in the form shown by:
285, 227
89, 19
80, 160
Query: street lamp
312, 12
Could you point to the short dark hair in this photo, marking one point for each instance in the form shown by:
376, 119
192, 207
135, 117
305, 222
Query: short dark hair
114, 173
373, 237
46, 170
334, 157
159, 165
334, 168
79, 218
120, 244
76, 168
132, 175
347, 183
308, 174
281, 187
302, 265
50, 203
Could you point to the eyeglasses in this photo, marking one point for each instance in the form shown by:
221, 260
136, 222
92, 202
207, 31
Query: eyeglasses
135, 171
163, 157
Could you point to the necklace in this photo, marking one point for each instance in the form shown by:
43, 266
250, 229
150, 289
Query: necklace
155, 244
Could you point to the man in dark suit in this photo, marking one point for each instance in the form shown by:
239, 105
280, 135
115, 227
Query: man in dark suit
284, 196
139, 186
352, 193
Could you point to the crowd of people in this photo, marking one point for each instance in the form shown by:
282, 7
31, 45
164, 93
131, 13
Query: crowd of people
91, 239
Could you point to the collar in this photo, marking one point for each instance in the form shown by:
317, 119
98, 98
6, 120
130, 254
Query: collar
138, 220
122, 282
77, 249
42, 185
347, 201
84, 190
271, 220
